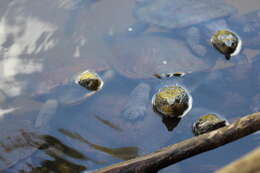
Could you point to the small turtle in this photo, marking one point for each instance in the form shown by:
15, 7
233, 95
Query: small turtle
207, 123
186, 16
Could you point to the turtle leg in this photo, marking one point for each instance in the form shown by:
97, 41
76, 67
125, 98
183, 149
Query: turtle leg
137, 104
193, 38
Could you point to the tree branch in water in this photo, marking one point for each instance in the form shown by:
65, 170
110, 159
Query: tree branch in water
172, 154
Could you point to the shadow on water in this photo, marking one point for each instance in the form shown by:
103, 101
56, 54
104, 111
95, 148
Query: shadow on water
124, 153
170, 123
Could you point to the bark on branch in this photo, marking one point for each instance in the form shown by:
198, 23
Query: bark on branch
169, 155
247, 164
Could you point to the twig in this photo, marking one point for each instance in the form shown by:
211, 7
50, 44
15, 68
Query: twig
169, 155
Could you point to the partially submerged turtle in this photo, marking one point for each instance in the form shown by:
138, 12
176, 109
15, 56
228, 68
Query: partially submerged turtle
207, 123
186, 16
143, 57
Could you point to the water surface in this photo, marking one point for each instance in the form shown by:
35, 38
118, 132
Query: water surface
45, 44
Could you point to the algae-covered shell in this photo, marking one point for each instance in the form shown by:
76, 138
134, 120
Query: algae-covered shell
226, 42
90, 80
207, 123
172, 101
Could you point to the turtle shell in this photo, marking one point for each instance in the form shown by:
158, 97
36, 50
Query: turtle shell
177, 14
145, 56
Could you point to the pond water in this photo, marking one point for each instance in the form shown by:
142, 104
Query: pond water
46, 123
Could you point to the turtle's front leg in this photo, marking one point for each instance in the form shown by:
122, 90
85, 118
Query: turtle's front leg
137, 104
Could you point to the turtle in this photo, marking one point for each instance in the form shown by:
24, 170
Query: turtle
133, 131
25, 94
149, 56
207, 123
188, 18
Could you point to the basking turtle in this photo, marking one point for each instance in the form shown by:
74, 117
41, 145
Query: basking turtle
185, 17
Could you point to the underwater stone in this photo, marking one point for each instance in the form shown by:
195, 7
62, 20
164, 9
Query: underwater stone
207, 123
226, 42
172, 101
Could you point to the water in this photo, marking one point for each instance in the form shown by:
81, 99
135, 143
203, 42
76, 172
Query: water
45, 44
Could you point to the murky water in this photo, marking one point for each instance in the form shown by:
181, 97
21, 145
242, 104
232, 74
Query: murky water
45, 125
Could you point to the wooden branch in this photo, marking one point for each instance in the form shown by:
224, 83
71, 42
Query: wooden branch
169, 155
247, 164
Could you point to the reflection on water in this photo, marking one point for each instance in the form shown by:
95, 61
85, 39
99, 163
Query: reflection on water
170, 123
58, 164
109, 124
55, 144
45, 44
34, 142
124, 153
